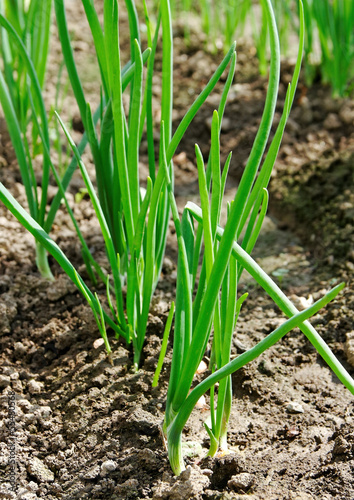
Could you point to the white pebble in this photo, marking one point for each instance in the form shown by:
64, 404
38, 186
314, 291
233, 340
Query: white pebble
35, 387
295, 408
108, 466
200, 403
97, 343
202, 367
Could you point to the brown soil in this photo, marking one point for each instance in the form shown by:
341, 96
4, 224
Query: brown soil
86, 429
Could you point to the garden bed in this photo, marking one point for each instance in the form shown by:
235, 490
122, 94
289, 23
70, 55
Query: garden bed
87, 429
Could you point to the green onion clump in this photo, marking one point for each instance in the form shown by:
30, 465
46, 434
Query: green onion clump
216, 305
334, 20
133, 213
24, 47
329, 37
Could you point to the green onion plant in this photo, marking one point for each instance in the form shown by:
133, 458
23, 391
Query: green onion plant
133, 220
133, 217
24, 49
334, 20
22, 77
24, 46
215, 306
329, 42
32, 22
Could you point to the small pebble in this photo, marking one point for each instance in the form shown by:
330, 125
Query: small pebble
349, 347
17, 386
33, 486
5, 381
24, 405
108, 466
349, 265
35, 387
20, 349
200, 403
202, 367
332, 122
241, 481
40, 471
240, 346
347, 115
168, 265
7, 370
97, 343
294, 408
44, 411
30, 418
301, 302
